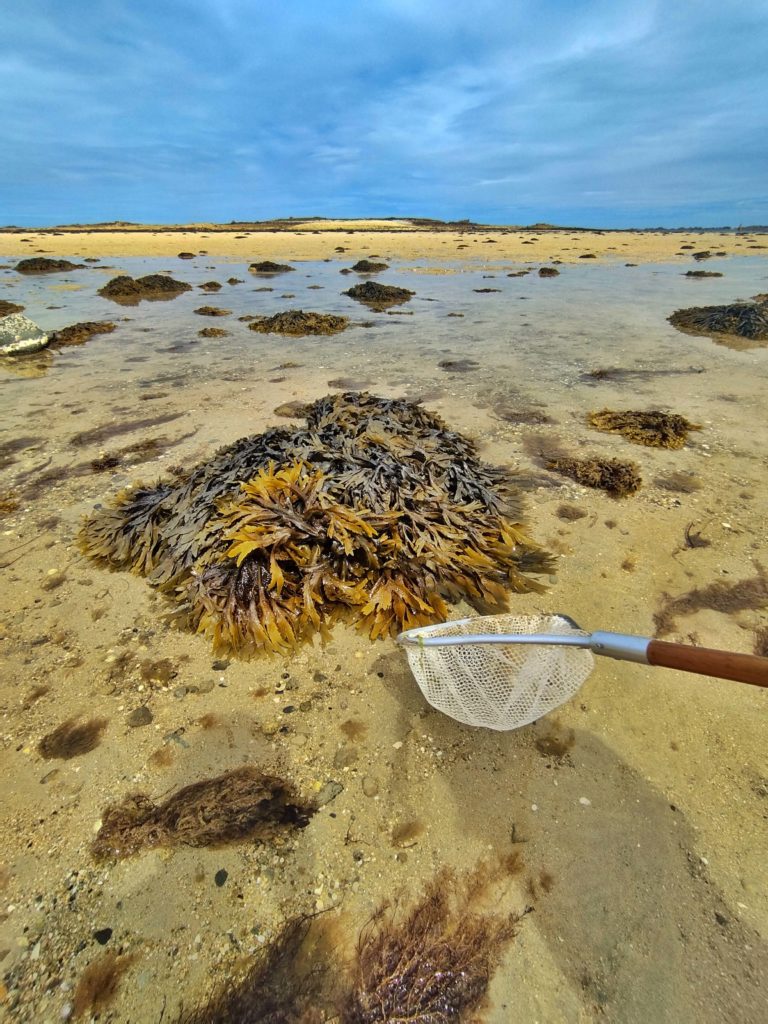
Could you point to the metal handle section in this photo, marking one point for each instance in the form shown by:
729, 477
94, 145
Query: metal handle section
620, 645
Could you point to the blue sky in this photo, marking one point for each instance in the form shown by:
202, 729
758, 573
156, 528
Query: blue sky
589, 112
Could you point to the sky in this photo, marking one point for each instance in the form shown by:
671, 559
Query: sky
595, 113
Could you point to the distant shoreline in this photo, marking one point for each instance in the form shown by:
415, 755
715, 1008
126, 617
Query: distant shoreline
348, 241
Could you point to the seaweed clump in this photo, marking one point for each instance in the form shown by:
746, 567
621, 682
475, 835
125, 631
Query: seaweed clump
239, 804
268, 267
128, 290
6, 308
720, 596
369, 267
78, 334
374, 511
43, 265
742, 319
653, 429
379, 296
430, 966
72, 738
296, 323
615, 476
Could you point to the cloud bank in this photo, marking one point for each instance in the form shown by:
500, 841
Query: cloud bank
605, 112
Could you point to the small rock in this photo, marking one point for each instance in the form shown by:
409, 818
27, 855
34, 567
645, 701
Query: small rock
103, 935
329, 792
139, 716
220, 877
220, 665
19, 335
370, 786
585, 801
205, 686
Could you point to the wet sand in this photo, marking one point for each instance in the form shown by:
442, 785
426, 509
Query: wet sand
637, 809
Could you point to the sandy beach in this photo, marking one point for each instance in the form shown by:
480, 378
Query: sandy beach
631, 821
316, 240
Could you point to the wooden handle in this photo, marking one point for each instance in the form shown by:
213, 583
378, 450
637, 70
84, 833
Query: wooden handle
743, 668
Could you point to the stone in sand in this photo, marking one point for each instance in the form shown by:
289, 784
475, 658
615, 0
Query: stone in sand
20, 336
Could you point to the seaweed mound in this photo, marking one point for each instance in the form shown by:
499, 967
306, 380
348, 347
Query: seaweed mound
369, 267
374, 511
268, 267
379, 296
78, 334
547, 272
296, 323
42, 265
653, 429
128, 290
612, 475
212, 311
742, 319
241, 803
6, 308
702, 273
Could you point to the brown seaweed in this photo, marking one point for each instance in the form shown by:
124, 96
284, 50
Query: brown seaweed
212, 311
44, 265
128, 291
379, 296
720, 596
72, 738
369, 267
429, 965
240, 804
374, 511
615, 476
6, 308
296, 323
99, 983
78, 334
653, 429
268, 267
742, 319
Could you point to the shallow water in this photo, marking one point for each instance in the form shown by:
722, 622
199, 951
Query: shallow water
629, 927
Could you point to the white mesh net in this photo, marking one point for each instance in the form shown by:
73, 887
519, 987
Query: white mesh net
499, 686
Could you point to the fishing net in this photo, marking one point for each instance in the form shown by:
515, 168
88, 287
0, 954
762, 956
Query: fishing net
497, 685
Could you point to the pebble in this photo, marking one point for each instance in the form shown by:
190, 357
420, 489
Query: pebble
103, 935
139, 716
370, 786
585, 801
220, 665
220, 877
329, 792
205, 686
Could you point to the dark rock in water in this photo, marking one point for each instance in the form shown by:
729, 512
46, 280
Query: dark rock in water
78, 334
704, 255
588, 256
458, 365
213, 332
373, 510
379, 296
42, 265
484, 291
612, 475
369, 267
519, 273
235, 280
653, 429
186, 255
268, 267
210, 286
6, 308
740, 319
548, 272
703, 273
212, 311
296, 323
128, 291
138, 717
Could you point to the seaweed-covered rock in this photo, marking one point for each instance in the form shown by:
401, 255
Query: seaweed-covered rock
78, 334
369, 267
20, 336
186, 255
374, 510
212, 311
740, 319
268, 267
612, 475
6, 308
702, 273
653, 429
213, 332
379, 296
548, 272
42, 265
128, 290
296, 323
210, 286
